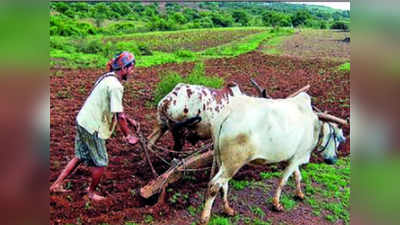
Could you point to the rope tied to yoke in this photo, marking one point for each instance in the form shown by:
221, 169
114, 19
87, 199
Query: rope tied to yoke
175, 162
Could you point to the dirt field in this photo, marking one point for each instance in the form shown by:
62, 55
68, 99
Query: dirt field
317, 44
127, 172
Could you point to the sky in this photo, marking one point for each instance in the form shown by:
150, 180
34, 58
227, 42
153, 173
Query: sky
335, 5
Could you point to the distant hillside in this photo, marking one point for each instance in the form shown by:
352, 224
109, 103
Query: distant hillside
110, 18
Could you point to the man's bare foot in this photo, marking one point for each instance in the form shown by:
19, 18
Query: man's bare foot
57, 188
95, 197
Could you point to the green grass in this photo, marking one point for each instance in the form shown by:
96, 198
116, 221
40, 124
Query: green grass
247, 44
148, 219
130, 223
239, 184
327, 189
288, 202
95, 51
170, 79
273, 45
218, 220
344, 67
258, 212
268, 175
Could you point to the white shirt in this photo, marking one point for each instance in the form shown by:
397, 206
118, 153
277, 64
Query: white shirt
98, 110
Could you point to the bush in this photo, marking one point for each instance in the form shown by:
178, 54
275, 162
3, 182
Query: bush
121, 27
323, 25
183, 53
339, 25
169, 80
167, 83
128, 46
197, 76
144, 49
90, 46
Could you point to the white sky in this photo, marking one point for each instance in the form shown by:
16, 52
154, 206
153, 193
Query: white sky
335, 5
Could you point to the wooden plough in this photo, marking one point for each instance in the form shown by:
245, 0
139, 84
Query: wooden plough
199, 159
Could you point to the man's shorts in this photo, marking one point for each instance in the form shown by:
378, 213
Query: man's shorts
90, 149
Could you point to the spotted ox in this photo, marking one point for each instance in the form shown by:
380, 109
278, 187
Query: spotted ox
260, 130
191, 106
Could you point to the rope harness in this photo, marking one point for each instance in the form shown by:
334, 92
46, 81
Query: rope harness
332, 133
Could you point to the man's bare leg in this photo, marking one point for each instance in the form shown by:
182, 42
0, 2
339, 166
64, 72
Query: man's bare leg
57, 185
97, 173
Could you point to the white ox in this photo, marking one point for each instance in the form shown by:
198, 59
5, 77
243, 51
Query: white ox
192, 106
264, 131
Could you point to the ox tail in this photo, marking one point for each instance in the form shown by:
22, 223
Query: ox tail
186, 123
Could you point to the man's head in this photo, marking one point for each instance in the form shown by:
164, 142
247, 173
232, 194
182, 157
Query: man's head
122, 64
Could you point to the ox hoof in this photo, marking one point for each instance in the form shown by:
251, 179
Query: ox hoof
278, 207
300, 196
229, 211
204, 221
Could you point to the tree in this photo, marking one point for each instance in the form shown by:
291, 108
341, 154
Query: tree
191, 14
101, 12
323, 25
178, 17
240, 16
121, 8
300, 18
271, 18
221, 20
61, 7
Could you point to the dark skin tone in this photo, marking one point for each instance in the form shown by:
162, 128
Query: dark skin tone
97, 172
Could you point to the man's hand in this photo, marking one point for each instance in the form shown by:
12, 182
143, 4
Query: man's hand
132, 139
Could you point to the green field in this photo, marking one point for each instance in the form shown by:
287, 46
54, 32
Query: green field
95, 51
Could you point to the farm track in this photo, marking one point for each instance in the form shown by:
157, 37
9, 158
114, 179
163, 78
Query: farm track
128, 171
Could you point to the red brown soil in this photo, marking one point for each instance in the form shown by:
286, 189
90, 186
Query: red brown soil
128, 171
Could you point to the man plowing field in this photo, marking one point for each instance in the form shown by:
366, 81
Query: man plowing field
96, 121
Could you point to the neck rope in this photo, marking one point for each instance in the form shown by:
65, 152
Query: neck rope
321, 135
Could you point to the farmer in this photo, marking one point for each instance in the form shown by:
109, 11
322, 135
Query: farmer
96, 122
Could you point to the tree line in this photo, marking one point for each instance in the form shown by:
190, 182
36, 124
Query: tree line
87, 18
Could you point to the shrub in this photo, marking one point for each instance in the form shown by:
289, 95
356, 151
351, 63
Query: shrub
90, 46
144, 49
197, 76
121, 27
130, 46
169, 80
323, 25
167, 83
339, 25
183, 53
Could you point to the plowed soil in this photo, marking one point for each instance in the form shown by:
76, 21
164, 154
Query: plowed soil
127, 171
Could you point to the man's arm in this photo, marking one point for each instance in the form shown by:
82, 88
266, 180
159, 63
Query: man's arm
123, 123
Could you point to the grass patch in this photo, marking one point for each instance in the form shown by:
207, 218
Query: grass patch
148, 219
287, 202
95, 51
328, 188
239, 184
218, 220
258, 212
170, 79
268, 175
260, 222
244, 45
344, 67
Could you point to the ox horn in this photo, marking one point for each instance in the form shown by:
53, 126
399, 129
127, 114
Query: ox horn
262, 92
332, 118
